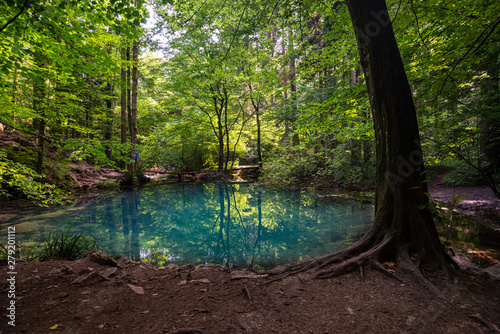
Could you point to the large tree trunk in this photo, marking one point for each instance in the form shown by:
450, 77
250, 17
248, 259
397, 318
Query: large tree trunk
403, 230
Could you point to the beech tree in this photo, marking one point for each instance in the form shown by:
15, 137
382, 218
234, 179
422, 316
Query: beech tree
403, 230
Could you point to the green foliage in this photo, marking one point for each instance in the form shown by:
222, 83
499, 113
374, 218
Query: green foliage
62, 246
292, 167
94, 151
22, 181
108, 184
434, 170
298, 166
463, 177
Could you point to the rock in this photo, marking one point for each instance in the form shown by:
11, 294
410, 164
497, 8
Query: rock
242, 274
147, 265
60, 271
200, 281
172, 267
464, 261
127, 278
84, 271
493, 271
126, 262
100, 257
89, 279
108, 272
137, 289
207, 267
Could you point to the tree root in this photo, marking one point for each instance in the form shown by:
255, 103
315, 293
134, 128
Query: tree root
360, 255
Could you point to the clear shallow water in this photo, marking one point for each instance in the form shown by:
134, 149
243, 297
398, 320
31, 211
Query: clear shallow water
238, 225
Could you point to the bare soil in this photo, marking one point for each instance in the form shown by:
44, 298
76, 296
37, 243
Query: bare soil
137, 298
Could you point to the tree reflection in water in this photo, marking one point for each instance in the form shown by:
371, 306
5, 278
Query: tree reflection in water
236, 225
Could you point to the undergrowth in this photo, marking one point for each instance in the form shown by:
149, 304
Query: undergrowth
61, 245
299, 166
463, 177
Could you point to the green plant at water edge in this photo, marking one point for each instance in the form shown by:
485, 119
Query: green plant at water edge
62, 246
108, 184
4, 252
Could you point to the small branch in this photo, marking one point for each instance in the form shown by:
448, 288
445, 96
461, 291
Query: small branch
418, 25
15, 17
247, 294
493, 26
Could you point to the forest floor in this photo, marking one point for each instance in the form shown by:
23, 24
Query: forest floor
85, 296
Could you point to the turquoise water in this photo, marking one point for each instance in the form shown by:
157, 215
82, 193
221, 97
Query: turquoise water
237, 225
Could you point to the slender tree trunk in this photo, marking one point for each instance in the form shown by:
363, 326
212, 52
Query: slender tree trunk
108, 125
133, 112
293, 87
259, 148
39, 122
220, 130
226, 127
123, 103
129, 92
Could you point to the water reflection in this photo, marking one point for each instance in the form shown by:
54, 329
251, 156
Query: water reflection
234, 225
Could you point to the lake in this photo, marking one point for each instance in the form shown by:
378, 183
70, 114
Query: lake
237, 225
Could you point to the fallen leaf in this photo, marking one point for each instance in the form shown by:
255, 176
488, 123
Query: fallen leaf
389, 264
145, 312
53, 327
137, 289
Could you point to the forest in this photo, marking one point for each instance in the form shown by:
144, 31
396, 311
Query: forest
191, 85
378, 97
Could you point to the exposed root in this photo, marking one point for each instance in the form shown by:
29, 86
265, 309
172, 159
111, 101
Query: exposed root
405, 263
358, 256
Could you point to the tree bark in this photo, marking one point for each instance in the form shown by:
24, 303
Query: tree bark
123, 103
133, 112
259, 144
38, 106
108, 131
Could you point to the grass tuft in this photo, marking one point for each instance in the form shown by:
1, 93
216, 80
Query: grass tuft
59, 246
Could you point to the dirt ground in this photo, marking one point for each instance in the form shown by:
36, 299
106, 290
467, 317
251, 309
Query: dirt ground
86, 296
